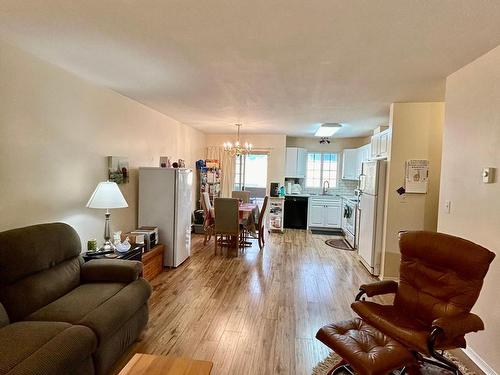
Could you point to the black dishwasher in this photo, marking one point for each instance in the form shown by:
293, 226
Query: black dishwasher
295, 215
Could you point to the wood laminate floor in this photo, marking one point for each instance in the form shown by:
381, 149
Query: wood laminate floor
256, 313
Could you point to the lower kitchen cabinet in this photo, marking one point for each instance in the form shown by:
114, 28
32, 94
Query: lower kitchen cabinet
325, 212
333, 216
316, 215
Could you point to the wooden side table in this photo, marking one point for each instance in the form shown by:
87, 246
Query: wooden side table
142, 364
152, 261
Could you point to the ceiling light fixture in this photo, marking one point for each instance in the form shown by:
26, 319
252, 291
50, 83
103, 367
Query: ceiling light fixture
327, 130
324, 141
237, 148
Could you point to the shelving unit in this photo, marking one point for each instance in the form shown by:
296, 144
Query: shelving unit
275, 216
209, 181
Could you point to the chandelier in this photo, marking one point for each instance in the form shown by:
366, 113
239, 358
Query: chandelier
237, 148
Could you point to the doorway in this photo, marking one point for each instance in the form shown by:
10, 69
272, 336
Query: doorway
251, 173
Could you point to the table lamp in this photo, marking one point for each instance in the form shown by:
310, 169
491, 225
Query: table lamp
107, 195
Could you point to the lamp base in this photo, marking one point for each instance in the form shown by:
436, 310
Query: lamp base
108, 246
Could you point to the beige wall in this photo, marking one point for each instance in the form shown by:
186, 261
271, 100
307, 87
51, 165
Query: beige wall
336, 144
275, 143
471, 142
416, 134
56, 131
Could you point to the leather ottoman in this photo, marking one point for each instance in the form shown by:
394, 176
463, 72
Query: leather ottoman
363, 348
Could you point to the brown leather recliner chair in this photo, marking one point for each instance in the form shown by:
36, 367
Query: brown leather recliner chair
440, 280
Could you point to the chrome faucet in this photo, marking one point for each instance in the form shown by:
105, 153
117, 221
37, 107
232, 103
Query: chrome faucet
325, 189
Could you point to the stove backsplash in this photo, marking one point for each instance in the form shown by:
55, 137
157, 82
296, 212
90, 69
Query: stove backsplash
344, 187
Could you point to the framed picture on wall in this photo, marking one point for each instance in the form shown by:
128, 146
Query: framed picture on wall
118, 169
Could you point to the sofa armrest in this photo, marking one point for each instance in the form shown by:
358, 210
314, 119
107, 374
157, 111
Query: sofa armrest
458, 325
111, 270
378, 288
4, 317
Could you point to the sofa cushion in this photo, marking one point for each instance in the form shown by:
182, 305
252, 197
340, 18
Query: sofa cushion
33, 292
28, 250
44, 347
103, 307
72, 307
38, 264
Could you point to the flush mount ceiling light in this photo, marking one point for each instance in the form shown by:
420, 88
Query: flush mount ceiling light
327, 130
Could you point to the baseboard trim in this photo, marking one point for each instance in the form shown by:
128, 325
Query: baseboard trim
389, 278
474, 357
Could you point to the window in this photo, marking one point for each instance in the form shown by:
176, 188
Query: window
250, 171
320, 167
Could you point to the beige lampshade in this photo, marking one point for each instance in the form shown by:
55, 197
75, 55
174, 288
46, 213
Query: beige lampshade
106, 195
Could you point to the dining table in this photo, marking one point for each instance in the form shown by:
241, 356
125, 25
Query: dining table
249, 213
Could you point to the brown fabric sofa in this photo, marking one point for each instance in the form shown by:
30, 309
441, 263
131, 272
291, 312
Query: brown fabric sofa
59, 315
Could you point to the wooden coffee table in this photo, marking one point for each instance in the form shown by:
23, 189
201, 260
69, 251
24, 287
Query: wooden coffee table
165, 365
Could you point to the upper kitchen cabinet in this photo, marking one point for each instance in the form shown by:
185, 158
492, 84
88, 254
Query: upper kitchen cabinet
380, 144
295, 162
352, 161
364, 154
350, 158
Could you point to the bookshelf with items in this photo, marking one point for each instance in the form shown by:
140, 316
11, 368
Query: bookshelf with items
210, 179
275, 216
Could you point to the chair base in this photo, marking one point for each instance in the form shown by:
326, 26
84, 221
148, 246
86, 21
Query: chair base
342, 366
440, 361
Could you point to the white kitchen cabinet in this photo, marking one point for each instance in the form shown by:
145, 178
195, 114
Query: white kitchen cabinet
333, 216
325, 212
380, 144
350, 159
364, 154
316, 215
295, 162
384, 143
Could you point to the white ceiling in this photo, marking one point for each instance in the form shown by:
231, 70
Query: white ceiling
277, 66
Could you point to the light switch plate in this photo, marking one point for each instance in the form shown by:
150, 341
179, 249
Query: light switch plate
488, 175
447, 207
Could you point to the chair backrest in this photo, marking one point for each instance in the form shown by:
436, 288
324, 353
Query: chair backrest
440, 275
38, 264
262, 216
205, 202
243, 195
227, 217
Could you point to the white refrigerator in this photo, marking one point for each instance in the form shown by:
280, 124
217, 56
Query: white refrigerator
165, 201
371, 211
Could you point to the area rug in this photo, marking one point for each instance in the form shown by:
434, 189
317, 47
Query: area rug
339, 243
325, 365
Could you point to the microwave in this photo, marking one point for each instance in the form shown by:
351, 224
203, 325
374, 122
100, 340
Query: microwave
151, 238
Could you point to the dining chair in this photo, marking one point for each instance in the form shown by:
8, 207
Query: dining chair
244, 196
209, 220
227, 222
262, 222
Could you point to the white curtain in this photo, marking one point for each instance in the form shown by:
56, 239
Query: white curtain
227, 168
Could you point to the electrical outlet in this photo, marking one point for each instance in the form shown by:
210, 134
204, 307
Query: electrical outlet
447, 207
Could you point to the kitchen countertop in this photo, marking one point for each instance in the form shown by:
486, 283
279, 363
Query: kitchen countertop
352, 198
306, 195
